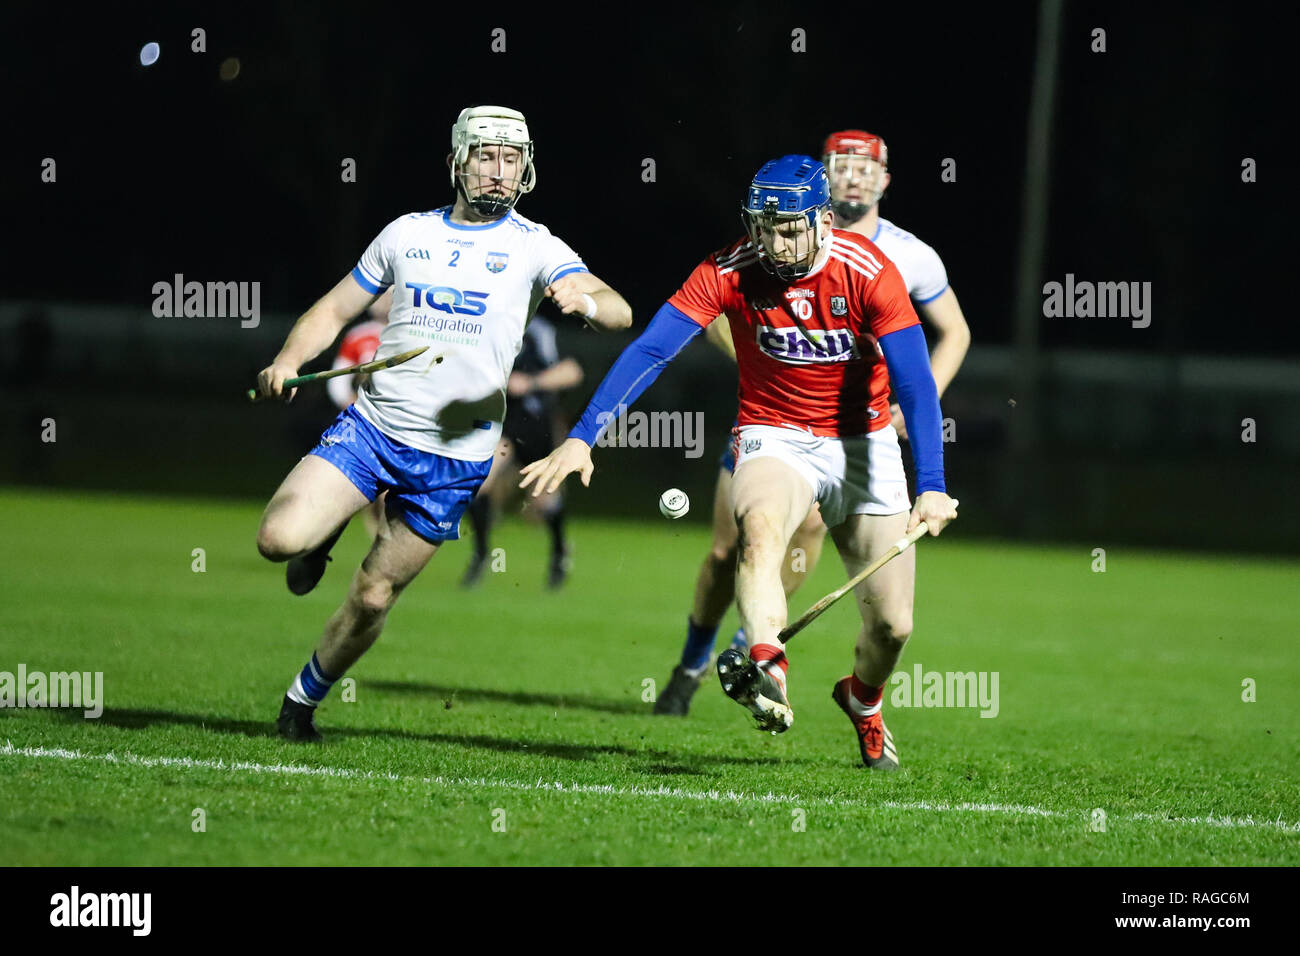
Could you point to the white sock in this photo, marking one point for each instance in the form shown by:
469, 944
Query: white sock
862, 710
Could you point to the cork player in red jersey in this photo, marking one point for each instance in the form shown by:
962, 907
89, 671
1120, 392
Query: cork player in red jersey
822, 325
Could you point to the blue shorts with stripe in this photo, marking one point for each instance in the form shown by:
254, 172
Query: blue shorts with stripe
429, 491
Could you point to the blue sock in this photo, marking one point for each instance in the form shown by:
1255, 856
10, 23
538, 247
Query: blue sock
699, 645
311, 686
739, 641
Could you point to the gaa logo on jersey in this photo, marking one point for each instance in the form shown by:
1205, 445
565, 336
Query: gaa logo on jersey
497, 262
839, 305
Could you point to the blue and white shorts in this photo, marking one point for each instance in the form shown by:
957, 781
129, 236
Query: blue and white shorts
429, 491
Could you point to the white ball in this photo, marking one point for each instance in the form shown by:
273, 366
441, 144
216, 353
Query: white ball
673, 503
149, 54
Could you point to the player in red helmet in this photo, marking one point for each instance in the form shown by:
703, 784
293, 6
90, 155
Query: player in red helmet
858, 165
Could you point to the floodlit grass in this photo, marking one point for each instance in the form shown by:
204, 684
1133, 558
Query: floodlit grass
511, 705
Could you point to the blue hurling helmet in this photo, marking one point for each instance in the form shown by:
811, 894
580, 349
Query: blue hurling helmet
792, 187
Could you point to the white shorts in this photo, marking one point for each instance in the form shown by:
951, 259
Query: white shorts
857, 475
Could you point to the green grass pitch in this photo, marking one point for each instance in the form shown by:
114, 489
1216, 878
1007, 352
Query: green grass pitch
507, 726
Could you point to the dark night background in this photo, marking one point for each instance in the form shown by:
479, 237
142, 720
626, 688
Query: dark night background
169, 169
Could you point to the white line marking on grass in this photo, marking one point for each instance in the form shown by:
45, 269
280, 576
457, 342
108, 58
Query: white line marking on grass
709, 796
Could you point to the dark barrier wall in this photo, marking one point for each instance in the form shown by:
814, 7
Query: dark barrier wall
1131, 449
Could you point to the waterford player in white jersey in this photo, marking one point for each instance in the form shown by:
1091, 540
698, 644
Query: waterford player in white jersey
857, 163
466, 279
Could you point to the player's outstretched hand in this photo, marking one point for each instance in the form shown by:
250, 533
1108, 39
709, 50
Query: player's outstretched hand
936, 509
549, 473
568, 297
270, 381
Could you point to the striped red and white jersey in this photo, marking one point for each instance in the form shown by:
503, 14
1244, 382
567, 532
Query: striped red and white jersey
358, 347
831, 381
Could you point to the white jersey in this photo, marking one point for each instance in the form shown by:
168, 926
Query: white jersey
920, 265
466, 292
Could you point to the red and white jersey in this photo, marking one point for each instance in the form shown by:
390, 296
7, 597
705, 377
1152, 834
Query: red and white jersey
832, 381
358, 347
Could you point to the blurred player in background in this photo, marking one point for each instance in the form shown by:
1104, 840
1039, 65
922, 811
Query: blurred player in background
538, 377
359, 345
357, 348
822, 325
466, 278
857, 165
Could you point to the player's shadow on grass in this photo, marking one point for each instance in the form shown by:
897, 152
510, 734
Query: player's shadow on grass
661, 762
467, 694
144, 719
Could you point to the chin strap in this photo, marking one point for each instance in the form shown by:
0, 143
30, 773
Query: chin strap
491, 208
485, 206
850, 212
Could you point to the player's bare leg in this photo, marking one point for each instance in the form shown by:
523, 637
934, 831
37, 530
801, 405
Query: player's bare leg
304, 519
314, 500
805, 552
715, 589
497, 482
885, 603
800, 561
884, 599
396, 556
715, 585
373, 515
771, 500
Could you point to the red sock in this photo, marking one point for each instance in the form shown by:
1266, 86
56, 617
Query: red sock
770, 652
867, 696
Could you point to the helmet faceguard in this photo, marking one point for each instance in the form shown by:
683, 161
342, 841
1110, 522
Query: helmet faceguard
786, 252
783, 215
491, 159
858, 164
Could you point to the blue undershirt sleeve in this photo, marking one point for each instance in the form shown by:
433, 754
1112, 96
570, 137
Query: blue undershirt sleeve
909, 370
635, 370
